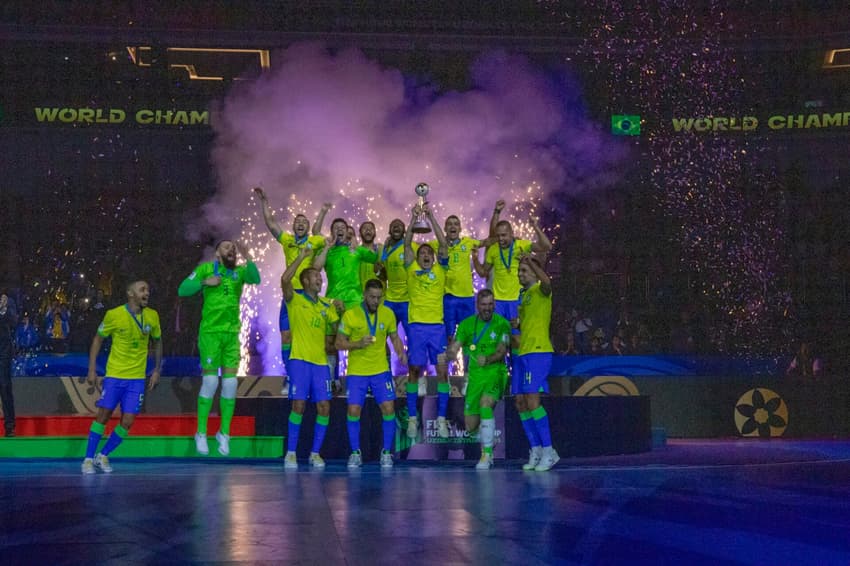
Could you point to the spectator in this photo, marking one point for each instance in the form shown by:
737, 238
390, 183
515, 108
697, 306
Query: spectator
8, 320
26, 335
618, 344
582, 332
571, 345
806, 363
57, 327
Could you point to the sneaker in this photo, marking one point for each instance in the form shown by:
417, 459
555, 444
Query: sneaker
201, 444
355, 460
533, 458
386, 459
485, 463
316, 461
102, 462
223, 443
442, 427
412, 425
290, 462
549, 459
88, 466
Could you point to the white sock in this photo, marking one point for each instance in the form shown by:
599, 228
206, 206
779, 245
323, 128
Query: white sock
487, 432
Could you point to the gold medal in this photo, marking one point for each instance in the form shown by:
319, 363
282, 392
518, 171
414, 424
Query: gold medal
473, 347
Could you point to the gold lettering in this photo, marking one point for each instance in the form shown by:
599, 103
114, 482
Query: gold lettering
832, 120
144, 116
679, 124
86, 115
750, 123
67, 115
720, 124
795, 121
813, 121
117, 116
196, 117
776, 122
702, 124
49, 114
180, 117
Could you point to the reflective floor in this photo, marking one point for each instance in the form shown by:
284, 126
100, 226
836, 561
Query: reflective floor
713, 502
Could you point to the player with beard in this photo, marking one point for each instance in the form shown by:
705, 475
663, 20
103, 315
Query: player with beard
364, 332
221, 282
313, 324
535, 361
485, 337
426, 283
292, 243
131, 327
459, 302
341, 259
367, 240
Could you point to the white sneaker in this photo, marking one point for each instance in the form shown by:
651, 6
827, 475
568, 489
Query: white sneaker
201, 444
442, 427
290, 462
223, 443
102, 462
549, 459
88, 466
386, 459
316, 461
534, 456
412, 426
355, 460
485, 463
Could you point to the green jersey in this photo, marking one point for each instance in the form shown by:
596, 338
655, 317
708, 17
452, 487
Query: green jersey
480, 338
343, 268
221, 303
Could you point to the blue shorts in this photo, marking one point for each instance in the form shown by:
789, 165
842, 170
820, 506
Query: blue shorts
400, 311
383, 388
509, 310
283, 319
531, 374
309, 381
455, 309
130, 393
425, 343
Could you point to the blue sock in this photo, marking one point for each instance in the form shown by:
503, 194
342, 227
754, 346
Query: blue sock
354, 433
319, 432
541, 423
530, 429
114, 440
294, 429
388, 427
412, 398
442, 398
95, 434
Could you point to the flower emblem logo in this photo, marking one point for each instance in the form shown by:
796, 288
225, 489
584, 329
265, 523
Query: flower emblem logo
761, 412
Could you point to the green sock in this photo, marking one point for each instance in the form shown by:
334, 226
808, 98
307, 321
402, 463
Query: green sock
204, 407
227, 406
444, 388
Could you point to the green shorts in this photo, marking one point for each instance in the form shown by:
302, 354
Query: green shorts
491, 384
218, 350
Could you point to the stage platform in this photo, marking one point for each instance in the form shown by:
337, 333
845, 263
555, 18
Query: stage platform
692, 502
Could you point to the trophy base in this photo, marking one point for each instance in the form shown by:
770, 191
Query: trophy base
421, 229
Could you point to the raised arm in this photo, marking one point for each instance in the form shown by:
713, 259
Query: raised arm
443, 249
268, 215
322, 256
542, 245
545, 281
497, 212
409, 257
482, 269
320, 219
289, 273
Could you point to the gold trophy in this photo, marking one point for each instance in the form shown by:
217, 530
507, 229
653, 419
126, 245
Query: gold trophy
420, 223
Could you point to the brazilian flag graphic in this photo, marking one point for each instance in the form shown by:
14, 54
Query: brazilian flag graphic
625, 125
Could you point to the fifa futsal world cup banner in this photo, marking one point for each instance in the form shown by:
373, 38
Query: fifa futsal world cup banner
460, 445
